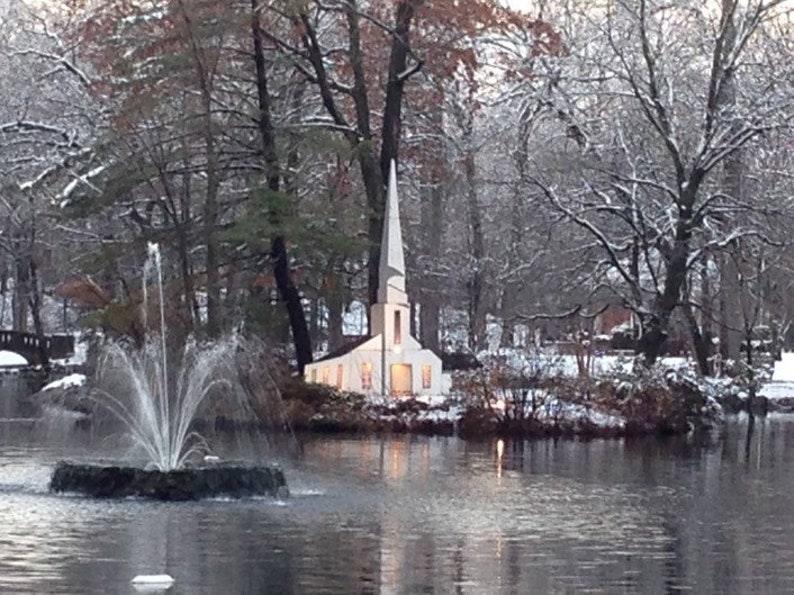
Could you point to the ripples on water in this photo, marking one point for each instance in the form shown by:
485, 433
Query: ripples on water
410, 515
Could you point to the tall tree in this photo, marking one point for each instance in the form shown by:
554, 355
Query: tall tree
278, 249
363, 91
646, 176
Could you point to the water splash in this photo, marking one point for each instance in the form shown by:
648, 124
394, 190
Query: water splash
154, 261
159, 412
133, 386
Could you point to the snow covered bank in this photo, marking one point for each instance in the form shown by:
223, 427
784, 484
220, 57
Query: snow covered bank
66, 382
657, 404
779, 392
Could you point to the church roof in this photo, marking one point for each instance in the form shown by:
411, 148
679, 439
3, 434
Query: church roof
343, 350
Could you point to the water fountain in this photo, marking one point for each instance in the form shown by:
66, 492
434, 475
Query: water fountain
158, 414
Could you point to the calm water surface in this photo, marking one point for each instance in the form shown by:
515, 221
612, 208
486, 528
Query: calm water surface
423, 515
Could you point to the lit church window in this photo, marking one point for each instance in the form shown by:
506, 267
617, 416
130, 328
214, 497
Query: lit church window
426, 376
340, 371
314, 374
326, 374
366, 375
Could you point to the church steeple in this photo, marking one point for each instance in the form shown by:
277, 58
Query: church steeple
391, 276
390, 361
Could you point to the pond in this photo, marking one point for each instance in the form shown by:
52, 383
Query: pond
424, 515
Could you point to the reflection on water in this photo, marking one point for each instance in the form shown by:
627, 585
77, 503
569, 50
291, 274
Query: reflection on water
410, 515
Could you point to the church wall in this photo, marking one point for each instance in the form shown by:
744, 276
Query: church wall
368, 368
354, 378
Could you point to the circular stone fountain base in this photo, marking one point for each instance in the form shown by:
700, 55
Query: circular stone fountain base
234, 481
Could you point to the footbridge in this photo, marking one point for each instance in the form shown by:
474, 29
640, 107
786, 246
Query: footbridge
30, 346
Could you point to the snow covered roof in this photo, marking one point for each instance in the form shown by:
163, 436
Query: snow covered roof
343, 350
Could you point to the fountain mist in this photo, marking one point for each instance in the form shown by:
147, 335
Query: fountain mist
158, 412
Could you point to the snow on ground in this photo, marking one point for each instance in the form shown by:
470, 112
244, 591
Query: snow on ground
550, 364
11, 360
66, 382
551, 408
572, 412
784, 369
452, 413
444, 408
776, 391
782, 385
354, 318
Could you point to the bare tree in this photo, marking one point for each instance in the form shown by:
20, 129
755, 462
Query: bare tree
673, 92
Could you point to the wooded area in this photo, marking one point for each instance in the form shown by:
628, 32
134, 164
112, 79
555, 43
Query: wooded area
630, 154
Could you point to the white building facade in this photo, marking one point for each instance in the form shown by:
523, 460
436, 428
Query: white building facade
390, 361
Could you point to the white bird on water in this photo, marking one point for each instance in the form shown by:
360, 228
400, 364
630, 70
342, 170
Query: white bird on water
150, 583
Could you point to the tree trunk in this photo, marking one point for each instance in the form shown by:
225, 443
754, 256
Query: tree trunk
428, 322
733, 172
392, 113
476, 309
655, 323
730, 286
730, 315
35, 310
314, 319
335, 306
654, 334
701, 341
210, 222
21, 293
361, 139
507, 337
278, 252
376, 202
292, 300
213, 182
372, 176
432, 213
183, 248
707, 308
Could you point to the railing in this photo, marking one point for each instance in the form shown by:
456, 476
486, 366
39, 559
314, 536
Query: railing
29, 346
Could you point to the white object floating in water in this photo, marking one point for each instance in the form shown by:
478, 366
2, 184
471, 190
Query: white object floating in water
152, 581
212, 459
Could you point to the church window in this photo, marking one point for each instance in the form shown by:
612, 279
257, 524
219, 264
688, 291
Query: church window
366, 375
427, 376
340, 371
314, 374
326, 374
398, 334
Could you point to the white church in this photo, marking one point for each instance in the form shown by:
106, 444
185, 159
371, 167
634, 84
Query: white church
390, 361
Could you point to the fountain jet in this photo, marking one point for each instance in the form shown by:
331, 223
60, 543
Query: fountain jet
158, 412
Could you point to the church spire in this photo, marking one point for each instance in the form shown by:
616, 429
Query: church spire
391, 275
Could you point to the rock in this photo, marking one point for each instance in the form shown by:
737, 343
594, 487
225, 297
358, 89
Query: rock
70, 398
235, 481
